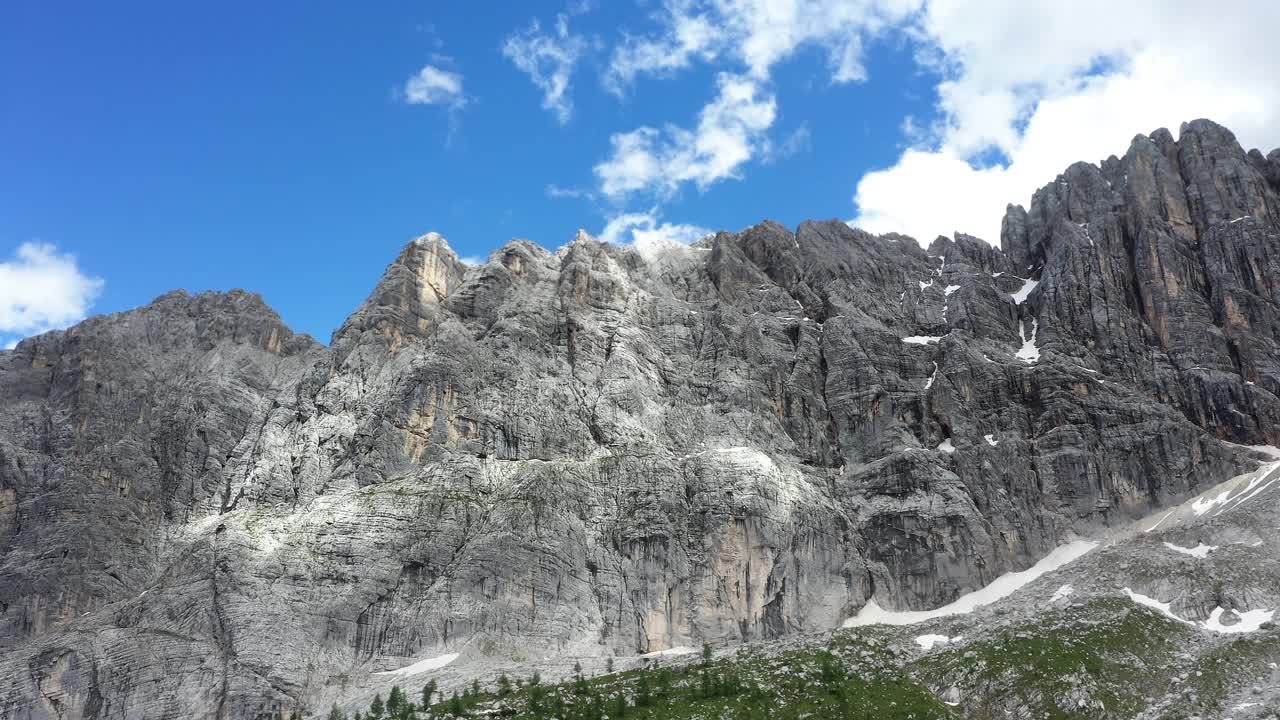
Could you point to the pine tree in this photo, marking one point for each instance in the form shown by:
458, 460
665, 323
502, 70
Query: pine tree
335, 713
428, 692
376, 708
643, 695
504, 685
395, 701
456, 707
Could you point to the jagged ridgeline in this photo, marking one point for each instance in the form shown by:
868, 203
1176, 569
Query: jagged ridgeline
609, 451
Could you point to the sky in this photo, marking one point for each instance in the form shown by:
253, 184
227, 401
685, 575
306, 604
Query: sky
291, 148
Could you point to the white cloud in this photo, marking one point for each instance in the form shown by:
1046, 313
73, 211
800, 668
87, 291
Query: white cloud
689, 34
757, 34
433, 86
42, 289
731, 129
651, 237
555, 191
645, 228
752, 35
1047, 85
549, 61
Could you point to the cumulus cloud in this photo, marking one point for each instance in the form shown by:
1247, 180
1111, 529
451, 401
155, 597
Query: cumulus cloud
651, 237
548, 60
42, 289
751, 36
433, 86
1044, 85
646, 228
731, 129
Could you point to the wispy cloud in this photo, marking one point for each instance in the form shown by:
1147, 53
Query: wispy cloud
756, 34
796, 142
549, 60
557, 192
433, 86
730, 130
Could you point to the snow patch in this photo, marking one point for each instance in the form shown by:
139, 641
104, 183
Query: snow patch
1028, 353
924, 284
1161, 520
1061, 593
929, 383
926, 642
1199, 551
678, 650
1028, 285
921, 339
1248, 621
1260, 480
1154, 604
998, 589
950, 289
422, 666
1233, 222
946, 446
1087, 236
991, 440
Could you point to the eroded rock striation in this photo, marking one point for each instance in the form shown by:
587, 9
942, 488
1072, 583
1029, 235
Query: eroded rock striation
616, 450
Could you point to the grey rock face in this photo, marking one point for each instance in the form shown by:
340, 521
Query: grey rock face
615, 450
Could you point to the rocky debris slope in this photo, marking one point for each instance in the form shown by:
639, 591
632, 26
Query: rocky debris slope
620, 450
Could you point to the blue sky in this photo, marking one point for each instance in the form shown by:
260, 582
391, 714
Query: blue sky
281, 147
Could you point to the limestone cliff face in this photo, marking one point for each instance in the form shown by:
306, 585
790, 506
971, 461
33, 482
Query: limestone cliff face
602, 450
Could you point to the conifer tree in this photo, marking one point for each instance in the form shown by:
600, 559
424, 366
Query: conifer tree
395, 701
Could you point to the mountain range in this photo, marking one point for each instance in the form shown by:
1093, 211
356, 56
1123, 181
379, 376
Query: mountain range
608, 454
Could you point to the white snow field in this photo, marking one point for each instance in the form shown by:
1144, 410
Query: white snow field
1001, 587
422, 666
1246, 622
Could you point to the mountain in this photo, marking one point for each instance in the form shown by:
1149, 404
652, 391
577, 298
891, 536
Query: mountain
608, 451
